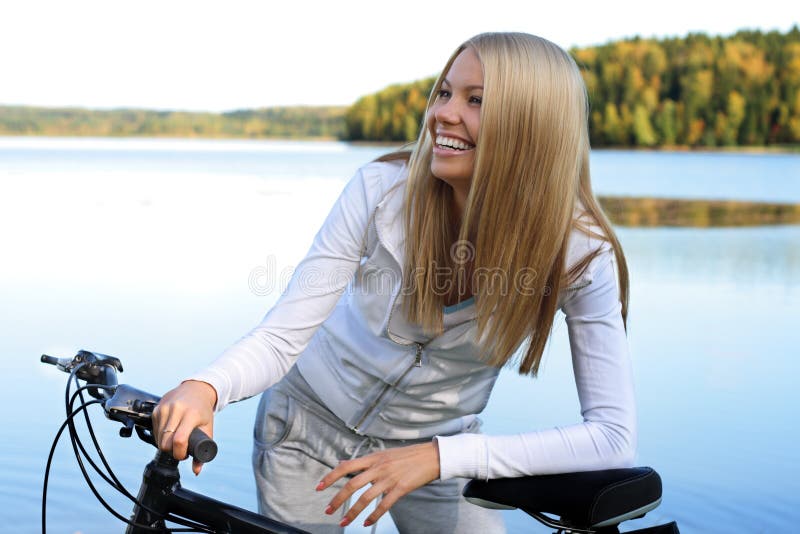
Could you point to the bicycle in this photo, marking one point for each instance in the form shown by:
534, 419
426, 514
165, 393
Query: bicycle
161, 498
601, 500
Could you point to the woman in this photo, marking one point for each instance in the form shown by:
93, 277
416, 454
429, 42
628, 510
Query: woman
431, 271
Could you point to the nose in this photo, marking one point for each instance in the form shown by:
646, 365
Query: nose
448, 112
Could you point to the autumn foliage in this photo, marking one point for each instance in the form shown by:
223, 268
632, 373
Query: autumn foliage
690, 91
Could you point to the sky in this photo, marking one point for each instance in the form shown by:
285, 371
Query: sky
238, 54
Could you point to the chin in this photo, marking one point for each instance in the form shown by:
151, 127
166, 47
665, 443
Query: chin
450, 174
453, 180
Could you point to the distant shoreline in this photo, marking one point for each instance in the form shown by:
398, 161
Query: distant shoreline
768, 149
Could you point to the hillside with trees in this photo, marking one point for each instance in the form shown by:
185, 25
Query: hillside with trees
693, 91
392, 114
697, 91
279, 122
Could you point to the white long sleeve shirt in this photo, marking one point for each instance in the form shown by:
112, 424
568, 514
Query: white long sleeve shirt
340, 322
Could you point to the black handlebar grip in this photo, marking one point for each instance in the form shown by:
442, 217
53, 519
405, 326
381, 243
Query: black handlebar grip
201, 447
49, 359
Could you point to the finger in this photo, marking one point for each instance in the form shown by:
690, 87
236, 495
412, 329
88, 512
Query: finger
344, 468
196, 467
352, 486
387, 502
155, 417
367, 497
165, 434
155, 422
180, 441
163, 418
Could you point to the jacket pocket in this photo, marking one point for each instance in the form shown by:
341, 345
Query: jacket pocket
274, 419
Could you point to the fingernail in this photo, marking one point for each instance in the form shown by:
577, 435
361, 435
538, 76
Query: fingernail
329, 510
320, 486
344, 522
368, 523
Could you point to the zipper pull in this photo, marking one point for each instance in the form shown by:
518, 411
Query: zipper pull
418, 357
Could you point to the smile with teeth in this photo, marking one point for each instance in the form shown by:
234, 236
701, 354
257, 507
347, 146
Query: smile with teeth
452, 144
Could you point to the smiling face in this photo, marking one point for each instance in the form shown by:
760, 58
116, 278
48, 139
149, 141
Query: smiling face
453, 120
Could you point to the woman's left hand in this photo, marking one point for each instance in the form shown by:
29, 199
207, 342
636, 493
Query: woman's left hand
392, 473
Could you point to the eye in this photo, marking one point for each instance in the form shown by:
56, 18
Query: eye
476, 100
444, 93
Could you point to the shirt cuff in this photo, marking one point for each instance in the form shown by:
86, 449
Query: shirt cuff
463, 455
217, 380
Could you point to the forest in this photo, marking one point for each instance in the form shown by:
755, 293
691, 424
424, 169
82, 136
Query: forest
693, 91
740, 90
277, 122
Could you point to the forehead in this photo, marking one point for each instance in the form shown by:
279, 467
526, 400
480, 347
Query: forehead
466, 69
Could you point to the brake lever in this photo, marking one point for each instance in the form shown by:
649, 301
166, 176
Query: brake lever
131, 404
133, 407
127, 405
93, 368
84, 357
146, 435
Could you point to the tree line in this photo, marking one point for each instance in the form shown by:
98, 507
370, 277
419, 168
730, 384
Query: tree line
741, 90
278, 122
696, 91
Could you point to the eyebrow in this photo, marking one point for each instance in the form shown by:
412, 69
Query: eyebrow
468, 88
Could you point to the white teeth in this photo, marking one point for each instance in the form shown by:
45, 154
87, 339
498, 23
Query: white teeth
452, 143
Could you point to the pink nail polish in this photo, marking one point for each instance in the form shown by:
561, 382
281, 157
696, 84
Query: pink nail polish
368, 523
320, 486
344, 522
329, 510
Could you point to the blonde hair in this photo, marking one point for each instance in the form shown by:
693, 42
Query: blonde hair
531, 172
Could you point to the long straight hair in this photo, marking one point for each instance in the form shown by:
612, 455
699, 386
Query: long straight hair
530, 188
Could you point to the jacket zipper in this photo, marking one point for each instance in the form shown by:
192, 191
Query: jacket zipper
417, 363
419, 346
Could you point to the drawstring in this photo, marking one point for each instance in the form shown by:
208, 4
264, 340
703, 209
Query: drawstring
370, 442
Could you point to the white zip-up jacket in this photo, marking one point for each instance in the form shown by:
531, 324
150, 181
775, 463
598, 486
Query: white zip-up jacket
340, 321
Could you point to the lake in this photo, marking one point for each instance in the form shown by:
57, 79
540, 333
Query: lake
144, 249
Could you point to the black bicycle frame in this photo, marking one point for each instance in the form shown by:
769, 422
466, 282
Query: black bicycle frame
161, 494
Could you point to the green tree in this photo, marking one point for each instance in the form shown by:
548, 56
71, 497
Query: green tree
642, 128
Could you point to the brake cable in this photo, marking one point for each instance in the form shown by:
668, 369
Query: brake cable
113, 481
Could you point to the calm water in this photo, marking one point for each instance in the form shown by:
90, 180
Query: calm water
143, 249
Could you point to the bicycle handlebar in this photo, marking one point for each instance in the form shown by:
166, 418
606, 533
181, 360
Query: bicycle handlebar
203, 448
49, 359
125, 404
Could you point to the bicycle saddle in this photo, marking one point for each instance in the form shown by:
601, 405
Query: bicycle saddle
588, 500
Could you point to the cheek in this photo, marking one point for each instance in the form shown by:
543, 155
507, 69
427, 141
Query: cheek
430, 120
474, 126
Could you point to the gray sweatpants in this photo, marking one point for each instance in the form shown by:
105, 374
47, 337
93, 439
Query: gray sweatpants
298, 441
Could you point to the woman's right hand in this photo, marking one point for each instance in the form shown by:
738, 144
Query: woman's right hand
181, 410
